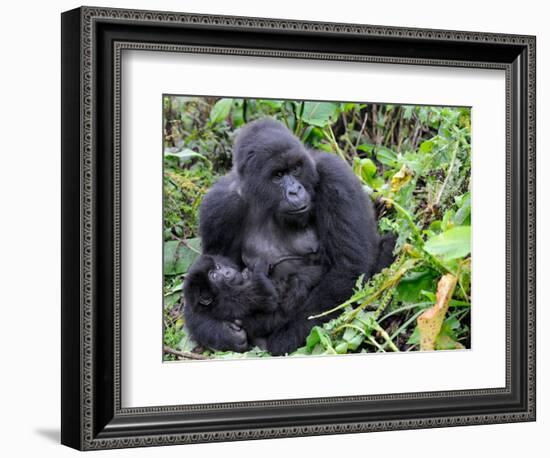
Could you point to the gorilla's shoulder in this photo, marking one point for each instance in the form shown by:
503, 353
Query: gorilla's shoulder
222, 210
226, 191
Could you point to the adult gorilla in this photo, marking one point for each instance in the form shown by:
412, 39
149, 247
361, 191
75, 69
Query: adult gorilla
305, 214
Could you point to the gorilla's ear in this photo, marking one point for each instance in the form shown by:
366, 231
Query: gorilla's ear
197, 291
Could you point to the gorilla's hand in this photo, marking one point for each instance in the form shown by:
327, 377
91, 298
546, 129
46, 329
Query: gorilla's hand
236, 338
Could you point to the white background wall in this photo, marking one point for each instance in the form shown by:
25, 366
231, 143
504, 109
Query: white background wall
30, 215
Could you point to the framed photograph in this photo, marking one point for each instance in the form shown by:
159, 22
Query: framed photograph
276, 228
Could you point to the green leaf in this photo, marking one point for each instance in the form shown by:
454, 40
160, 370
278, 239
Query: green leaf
221, 110
318, 337
366, 147
237, 114
386, 156
349, 334
414, 338
312, 339
427, 146
452, 244
341, 348
186, 343
171, 299
185, 154
446, 342
177, 287
462, 216
178, 256
354, 343
319, 114
366, 170
272, 104
413, 283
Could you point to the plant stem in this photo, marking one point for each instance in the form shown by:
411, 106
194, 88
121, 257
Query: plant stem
332, 139
406, 324
184, 354
373, 341
386, 337
447, 176
407, 265
361, 130
408, 218
406, 307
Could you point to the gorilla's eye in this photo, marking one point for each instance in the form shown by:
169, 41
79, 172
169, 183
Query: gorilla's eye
214, 275
277, 175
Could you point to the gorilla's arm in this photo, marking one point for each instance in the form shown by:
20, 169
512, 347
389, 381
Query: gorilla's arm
349, 245
221, 217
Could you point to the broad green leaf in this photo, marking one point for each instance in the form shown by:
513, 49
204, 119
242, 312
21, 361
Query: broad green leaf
367, 167
185, 154
386, 156
318, 350
427, 146
341, 348
354, 343
414, 338
408, 111
273, 104
177, 287
446, 342
462, 215
221, 110
186, 343
366, 147
318, 337
413, 283
319, 114
366, 170
452, 244
312, 339
171, 299
349, 334
178, 256
325, 147
300, 351
237, 115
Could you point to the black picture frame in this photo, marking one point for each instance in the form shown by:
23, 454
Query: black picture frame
92, 40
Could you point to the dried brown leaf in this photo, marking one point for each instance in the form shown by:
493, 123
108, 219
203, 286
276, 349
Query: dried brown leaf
429, 323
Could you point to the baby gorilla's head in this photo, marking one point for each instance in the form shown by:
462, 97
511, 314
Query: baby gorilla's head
223, 273
208, 277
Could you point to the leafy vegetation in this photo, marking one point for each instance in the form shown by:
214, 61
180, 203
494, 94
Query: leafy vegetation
413, 161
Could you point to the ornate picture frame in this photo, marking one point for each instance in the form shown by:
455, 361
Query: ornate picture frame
93, 416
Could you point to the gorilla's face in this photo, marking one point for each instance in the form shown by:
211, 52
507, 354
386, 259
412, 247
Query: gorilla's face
277, 174
294, 200
220, 275
283, 185
209, 276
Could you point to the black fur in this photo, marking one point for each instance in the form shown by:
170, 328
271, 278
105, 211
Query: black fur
305, 214
218, 312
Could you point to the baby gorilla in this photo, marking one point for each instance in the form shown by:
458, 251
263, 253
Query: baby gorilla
215, 291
